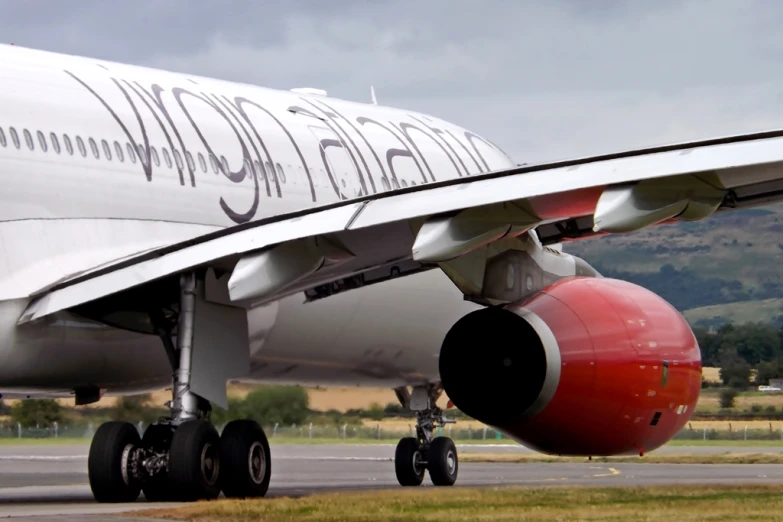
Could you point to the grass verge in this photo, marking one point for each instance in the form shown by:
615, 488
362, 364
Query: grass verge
664, 458
44, 442
649, 503
774, 443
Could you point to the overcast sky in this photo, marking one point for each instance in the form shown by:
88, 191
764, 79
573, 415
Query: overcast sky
544, 79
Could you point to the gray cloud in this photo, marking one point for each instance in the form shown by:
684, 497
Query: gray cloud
542, 79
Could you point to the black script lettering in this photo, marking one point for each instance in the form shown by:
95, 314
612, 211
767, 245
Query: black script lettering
146, 165
238, 103
331, 117
369, 146
235, 177
392, 153
438, 133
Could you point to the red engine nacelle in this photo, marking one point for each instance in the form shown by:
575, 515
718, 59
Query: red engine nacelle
588, 366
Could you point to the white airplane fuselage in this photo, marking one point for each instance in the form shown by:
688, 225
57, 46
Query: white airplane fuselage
100, 161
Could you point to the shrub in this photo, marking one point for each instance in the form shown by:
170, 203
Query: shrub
727, 396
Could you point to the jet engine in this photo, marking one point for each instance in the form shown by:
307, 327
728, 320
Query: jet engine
588, 366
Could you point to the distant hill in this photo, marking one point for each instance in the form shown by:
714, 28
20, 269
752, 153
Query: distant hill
723, 269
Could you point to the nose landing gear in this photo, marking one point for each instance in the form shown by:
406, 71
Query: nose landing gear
414, 455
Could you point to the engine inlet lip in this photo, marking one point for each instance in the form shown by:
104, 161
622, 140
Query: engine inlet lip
462, 343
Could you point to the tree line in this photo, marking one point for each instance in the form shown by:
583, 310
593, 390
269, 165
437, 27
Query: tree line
749, 353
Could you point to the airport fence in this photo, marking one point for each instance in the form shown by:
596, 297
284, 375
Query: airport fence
283, 433
377, 432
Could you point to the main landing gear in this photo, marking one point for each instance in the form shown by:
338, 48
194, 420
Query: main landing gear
182, 457
414, 455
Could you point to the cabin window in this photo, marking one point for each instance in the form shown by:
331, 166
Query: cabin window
42, 140
155, 157
202, 162
313, 177
189, 160
15, 137
143, 156
3, 141
80, 145
131, 153
404, 184
280, 173
55, 142
118, 151
178, 159
270, 172
385, 183
213, 162
167, 157
106, 149
395, 184
94, 148
224, 162
260, 170
28, 138
68, 144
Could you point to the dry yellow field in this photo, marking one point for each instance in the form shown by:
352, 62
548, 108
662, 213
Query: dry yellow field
711, 401
321, 399
736, 425
711, 374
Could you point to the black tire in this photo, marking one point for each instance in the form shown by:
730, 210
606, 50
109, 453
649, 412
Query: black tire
246, 460
442, 462
158, 488
407, 458
109, 476
194, 461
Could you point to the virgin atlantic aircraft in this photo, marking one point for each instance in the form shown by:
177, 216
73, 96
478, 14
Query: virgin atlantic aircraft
164, 230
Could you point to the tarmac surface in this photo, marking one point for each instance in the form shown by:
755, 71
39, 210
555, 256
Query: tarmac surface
49, 483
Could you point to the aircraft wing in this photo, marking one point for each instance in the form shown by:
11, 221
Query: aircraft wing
426, 225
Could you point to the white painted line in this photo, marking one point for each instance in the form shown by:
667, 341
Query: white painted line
360, 459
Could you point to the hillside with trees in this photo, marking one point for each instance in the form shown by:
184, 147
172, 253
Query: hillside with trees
710, 270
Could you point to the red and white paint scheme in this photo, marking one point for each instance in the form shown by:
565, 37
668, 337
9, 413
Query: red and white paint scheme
166, 230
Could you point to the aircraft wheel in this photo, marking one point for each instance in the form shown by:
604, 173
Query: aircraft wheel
108, 464
408, 462
246, 460
442, 462
194, 461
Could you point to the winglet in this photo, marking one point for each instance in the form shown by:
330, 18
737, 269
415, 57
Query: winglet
372, 95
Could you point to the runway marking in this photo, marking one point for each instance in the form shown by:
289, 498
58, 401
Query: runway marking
612, 472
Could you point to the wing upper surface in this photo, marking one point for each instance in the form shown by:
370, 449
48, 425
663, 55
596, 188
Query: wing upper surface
562, 199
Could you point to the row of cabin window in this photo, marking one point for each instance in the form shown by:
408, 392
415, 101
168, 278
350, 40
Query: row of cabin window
257, 168
67, 144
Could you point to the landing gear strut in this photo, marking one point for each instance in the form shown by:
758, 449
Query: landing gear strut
414, 455
181, 457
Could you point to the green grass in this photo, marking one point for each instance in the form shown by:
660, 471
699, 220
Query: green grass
552, 503
729, 443
653, 458
305, 441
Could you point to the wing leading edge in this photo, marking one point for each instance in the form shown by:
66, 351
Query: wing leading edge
434, 223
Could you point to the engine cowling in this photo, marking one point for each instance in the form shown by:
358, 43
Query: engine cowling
588, 366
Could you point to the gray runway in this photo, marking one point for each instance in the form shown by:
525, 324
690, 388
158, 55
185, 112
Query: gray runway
51, 481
